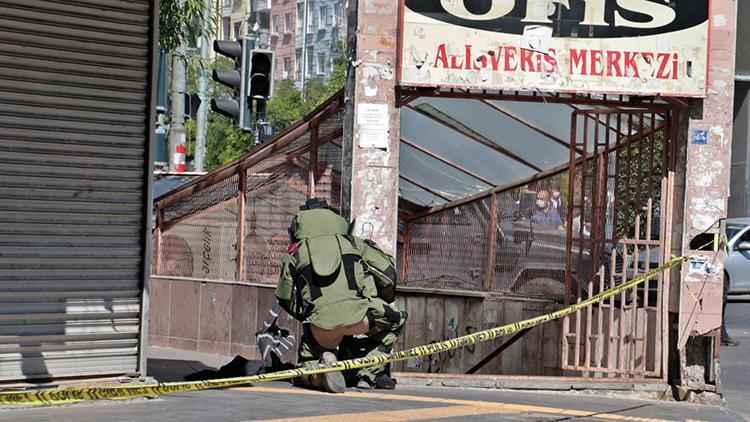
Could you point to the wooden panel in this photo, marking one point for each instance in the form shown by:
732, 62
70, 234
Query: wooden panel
493, 316
401, 343
415, 330
454, 327
473, 312
532, 341
435, 326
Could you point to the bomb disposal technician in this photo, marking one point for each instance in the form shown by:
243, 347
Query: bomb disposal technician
338, 286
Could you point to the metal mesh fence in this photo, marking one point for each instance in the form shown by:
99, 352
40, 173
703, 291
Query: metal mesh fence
202, 199
202, 245
438, 259
199, 232
272, 200
531, 240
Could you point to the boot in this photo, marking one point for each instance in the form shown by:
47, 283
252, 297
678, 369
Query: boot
333, 382
729, 341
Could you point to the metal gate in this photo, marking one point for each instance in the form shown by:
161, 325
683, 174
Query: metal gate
75, 123
617, 228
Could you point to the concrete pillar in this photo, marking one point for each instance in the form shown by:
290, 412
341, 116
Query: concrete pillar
707, 183
369, 189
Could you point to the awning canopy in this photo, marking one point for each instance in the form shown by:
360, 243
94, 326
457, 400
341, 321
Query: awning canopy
454, 147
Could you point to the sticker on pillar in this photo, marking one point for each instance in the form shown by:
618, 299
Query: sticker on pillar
699, 137
699, 264
537, 38
373, 125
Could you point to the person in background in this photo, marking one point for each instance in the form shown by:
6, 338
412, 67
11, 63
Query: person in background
546, 216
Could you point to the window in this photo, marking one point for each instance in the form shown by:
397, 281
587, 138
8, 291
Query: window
226, 28
300, 16
287, 64
321, 63
310, 17
237, 30
288, 23
338, 15
275, 24
322, 17
733, 229
310, 62
329, 17
299, 64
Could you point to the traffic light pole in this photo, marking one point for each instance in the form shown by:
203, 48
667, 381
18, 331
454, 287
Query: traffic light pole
177, 116
202, 118
177, 120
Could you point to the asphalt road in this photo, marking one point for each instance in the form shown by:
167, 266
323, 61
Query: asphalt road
280, 401
735, 361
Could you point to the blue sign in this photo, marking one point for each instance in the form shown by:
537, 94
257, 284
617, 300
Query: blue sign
699, 137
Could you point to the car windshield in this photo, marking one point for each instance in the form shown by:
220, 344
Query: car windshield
733, 229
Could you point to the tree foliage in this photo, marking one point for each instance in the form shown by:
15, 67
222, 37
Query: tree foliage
181, 21
289, 105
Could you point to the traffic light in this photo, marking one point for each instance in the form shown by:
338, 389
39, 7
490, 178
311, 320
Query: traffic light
261, 81
235, 108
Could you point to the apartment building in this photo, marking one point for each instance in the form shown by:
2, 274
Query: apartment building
320, 28
303, 33
282, 36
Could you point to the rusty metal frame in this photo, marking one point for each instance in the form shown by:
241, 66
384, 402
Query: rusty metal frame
423, 187
620, 339
277, 143
593, 358
411, 93
240, 245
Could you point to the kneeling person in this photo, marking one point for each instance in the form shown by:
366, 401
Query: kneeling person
338, 285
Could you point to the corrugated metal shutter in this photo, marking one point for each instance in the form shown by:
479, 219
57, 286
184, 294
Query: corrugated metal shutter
74, 124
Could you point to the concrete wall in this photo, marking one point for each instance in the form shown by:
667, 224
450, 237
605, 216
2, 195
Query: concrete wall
210, 316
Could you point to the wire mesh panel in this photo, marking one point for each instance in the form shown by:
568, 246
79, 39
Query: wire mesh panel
202, 199
272, 200
448, 249
250, 219
328, 174
202, 245
530, 239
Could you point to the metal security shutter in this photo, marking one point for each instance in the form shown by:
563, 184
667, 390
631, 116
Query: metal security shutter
74, 136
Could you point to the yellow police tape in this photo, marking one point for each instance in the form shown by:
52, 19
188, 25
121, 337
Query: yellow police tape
74, 394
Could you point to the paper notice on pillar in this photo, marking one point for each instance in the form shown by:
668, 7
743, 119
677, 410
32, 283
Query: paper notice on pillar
641, 47
373, 123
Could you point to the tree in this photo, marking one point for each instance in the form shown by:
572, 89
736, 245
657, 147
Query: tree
181, 23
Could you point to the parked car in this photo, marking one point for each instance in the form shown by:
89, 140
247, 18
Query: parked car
737, 263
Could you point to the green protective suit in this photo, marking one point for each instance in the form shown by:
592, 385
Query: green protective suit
332, 279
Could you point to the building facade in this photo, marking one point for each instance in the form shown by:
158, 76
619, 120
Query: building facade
318, 39
282, 37
285, 24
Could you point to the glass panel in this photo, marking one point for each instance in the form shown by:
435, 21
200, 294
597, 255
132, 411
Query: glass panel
437, 176
459, 149
416, 195
503, 130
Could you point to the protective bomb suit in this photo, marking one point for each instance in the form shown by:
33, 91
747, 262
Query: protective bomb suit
338, 286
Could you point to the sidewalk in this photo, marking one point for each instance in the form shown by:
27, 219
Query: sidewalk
281, 401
